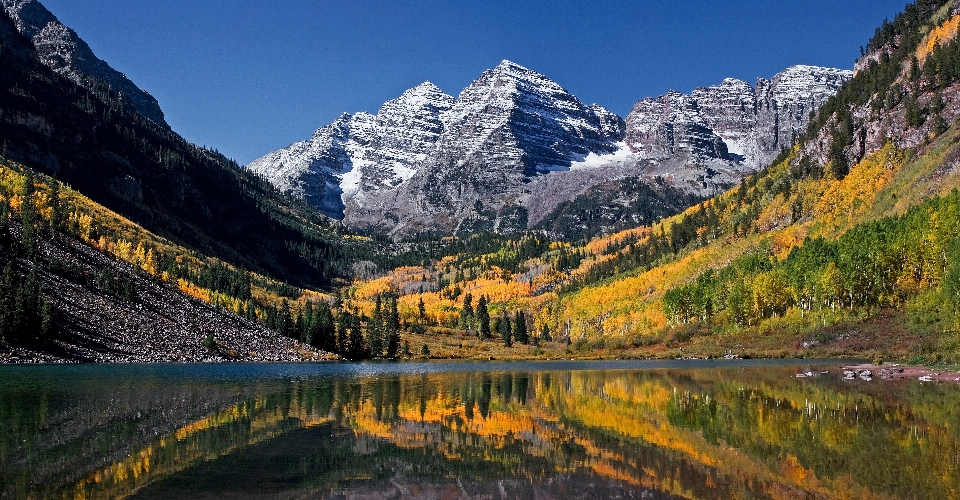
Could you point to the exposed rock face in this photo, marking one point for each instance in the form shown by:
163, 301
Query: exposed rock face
732, 121
360, 155
63, 51
514, 145
429, 161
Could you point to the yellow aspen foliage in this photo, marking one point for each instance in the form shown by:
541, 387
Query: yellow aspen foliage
844, 201
193, 290
124, 250
940, 35
83, 222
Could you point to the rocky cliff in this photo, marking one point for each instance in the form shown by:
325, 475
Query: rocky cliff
514, 145
732, 121
61, 49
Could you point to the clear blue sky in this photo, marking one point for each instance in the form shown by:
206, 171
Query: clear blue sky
247, 77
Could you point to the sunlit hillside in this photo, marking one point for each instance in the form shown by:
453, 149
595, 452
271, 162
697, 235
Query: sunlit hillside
847, 243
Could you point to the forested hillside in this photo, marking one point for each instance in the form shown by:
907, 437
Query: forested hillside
846, 243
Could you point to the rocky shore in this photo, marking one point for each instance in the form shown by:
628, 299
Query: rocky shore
161, 325
897, 372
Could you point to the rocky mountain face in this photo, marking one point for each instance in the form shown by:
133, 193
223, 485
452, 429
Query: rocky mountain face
361, 154
514, 145
62, 50
106, 149
429, 161
731, 128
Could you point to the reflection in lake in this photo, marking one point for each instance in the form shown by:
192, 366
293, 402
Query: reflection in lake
466, 430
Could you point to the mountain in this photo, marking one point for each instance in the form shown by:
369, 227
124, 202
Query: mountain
427, 161
360, 154
514, 145
60, 49
846, 242
710, 138
92, 138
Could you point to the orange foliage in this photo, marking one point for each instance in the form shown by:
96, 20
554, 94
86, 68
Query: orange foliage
940, 35
843, 201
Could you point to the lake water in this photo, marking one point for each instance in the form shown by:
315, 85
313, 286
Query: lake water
693, 429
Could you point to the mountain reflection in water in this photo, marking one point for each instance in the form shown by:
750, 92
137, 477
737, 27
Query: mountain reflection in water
471, 430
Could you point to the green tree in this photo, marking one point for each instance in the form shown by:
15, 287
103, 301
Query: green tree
483, 318
375, 330
323, 329
520, 328
505, 331
466, 312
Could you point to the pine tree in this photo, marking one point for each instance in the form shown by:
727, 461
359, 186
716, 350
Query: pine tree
466, 312
375, 330
393, 330
422, 311
505, 331
286, 325
357, 348
483, 318
307, 328
323, 329
343, 332
520, 328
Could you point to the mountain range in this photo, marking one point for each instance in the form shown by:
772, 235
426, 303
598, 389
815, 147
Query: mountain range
794, 205
514, 145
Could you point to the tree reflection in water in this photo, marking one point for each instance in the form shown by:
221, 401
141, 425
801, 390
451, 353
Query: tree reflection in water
709, 432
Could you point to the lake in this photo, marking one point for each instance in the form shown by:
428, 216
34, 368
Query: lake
618, 429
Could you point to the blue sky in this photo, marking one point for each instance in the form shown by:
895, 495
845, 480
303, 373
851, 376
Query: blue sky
246, 77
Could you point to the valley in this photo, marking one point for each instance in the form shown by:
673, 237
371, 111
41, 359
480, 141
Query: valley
814, 214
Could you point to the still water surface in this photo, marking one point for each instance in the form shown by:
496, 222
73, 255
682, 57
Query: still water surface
710, 429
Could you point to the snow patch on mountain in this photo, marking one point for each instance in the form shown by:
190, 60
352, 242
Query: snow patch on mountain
594, 160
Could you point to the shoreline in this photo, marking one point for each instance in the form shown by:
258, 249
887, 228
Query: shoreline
887, 372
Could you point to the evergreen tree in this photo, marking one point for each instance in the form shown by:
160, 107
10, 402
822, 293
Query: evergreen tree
343, 332
520, 328
483, 318
545, 333
323, 329
466, 312
286, 324
421, 311
392, 329
505, 333
357, 348
375, 330
307, 327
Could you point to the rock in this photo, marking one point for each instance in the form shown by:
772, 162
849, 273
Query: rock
63, 51
514, 145
890, 373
